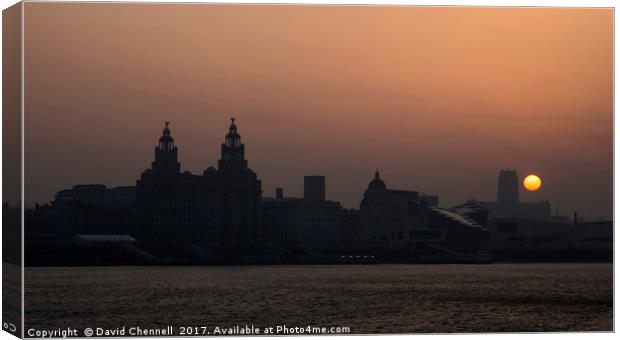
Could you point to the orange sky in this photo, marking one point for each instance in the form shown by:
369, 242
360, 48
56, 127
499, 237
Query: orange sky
438, 98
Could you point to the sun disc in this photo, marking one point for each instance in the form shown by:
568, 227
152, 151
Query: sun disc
532, 183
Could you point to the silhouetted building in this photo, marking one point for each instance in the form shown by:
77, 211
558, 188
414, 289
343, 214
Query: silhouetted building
91, 209
473, 211
546, 240
413, 225
560, 219
508, 188
508, 204
220, 216
89, 194
218, 207
314, 188
350, 235
460, 234
389, 216
308, 223
241, 190
430, 200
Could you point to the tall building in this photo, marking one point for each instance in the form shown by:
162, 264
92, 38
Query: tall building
508, 188
166, 162
314, 188
240, 189
233, 151
180, 209
508, 204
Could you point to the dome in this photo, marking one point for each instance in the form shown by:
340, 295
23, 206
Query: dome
377, 183
166, 142
233, 139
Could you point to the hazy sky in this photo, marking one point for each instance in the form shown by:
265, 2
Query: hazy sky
438, 98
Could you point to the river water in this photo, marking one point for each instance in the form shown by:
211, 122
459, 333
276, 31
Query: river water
390, 298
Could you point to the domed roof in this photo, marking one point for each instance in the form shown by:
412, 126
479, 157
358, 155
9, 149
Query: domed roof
209, 172
377, 183
166, 142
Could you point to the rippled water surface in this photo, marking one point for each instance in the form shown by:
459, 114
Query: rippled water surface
366, 298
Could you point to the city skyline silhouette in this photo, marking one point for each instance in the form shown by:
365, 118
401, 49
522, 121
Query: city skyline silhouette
295, 189
434, 114
520, 190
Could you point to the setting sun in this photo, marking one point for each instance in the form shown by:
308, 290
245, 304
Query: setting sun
532, 183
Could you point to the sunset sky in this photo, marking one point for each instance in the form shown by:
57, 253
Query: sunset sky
438, 98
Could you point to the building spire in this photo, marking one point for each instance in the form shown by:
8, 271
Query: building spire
233, 139
377, 183
166, 142
166, 162
232, 150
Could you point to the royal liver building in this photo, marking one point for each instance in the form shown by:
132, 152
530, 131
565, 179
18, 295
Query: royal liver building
219, 207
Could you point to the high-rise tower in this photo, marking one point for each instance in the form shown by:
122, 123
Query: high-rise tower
314, 188
241, 190
508, 188
166, 163
233, 151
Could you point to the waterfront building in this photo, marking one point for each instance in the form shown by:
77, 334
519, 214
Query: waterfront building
218, 207
521, 238
407, 222
309, 223
474, 211
314, 188
90, 209
387, 216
